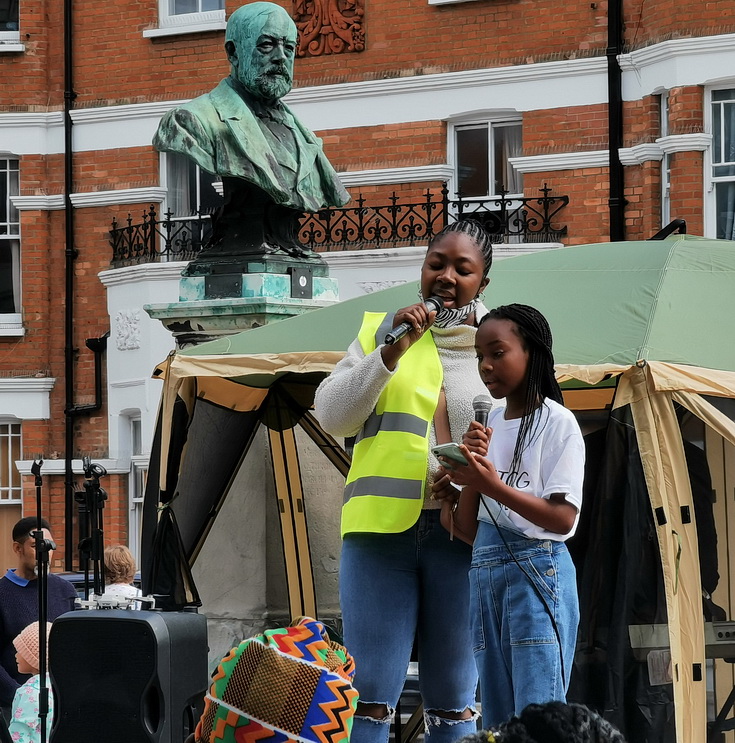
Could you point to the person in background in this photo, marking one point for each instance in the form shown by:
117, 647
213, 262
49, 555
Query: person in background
19, 603
521, 500
25, 725
401, 576
120, 572
552, 722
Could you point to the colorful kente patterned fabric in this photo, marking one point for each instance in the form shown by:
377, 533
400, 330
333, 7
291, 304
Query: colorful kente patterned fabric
290, 684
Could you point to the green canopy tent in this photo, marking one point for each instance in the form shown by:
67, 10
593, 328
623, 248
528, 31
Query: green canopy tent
638, 326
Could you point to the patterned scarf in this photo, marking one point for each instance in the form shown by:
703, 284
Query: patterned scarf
292, 684
451, 318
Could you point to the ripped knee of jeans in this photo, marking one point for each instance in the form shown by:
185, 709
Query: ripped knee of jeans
375, 712
437, 717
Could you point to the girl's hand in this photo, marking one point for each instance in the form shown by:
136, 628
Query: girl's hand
442, 488
420, 319
477, 438
478, 474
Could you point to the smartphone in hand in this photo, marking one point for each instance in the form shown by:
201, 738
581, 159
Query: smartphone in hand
451, 453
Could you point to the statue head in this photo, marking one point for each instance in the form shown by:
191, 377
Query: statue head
260, 41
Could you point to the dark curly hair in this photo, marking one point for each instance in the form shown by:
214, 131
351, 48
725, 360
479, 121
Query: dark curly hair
551, 722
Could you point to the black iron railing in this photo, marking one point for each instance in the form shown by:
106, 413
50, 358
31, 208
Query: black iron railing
362, 226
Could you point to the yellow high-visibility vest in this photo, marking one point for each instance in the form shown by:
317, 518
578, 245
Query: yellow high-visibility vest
384, 490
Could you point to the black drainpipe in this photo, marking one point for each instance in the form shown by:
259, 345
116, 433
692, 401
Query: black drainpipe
71, 254
98, 346
617, 200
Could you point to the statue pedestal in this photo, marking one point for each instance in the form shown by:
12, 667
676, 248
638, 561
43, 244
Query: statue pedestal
196, 322
264, 298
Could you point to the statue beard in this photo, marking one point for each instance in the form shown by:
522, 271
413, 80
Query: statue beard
273, 84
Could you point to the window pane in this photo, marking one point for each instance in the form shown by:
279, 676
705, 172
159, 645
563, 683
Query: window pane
10, 446
723, 95
213, 5
473, 178
178, 169
177, 7
507, 143
725, 200
7, 272
8, 15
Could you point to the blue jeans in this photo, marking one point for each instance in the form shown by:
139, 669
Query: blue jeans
394, 587
516, 649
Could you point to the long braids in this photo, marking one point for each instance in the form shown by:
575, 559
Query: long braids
551, 722
535, 333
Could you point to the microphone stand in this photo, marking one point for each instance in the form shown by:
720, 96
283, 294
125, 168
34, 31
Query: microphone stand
91, 545
43, 547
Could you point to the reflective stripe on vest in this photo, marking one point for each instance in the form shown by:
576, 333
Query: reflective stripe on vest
385, 485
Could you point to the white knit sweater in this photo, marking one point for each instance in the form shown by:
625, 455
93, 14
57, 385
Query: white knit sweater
347, 397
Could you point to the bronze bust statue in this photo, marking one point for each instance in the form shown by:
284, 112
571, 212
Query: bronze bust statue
273, 168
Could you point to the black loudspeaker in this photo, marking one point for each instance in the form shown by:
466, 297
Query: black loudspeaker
123, 676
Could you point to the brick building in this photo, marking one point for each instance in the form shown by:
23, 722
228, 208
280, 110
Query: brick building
490, 96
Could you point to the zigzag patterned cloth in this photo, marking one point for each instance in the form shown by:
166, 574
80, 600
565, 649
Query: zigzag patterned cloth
292, 684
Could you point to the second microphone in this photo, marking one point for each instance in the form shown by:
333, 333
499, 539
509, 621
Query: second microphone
432, 304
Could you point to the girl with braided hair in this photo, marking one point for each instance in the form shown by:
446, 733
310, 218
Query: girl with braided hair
521, 500
552, 722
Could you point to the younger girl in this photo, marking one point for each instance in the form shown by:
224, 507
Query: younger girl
518, 507
25, 726
120, 572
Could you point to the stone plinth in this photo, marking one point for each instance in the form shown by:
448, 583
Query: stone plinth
197, 321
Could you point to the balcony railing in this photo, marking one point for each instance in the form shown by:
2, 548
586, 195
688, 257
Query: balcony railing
509, 219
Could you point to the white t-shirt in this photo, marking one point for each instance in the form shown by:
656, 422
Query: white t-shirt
126, 590
552, 463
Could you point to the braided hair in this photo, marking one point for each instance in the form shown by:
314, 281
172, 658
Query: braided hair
552, 722
535, 333
475, 232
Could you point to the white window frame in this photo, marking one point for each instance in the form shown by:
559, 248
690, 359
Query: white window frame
491, 119
665, 162
11, 323
164, 180
136, 486
11, 494
174, 24
710, 181
10, 40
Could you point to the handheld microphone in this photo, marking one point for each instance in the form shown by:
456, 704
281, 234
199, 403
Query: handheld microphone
432, 304
482, 405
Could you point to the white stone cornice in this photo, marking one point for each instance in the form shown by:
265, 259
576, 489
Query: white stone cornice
667, 51
38, 203
697, 142
386, 176
561, 161
152, 194
393, 257
126, 112
32, 118
25, 384
142, 272
26, 398
640, 154
447, 80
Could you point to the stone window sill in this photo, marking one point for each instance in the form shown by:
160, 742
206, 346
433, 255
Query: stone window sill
10, 42
188, 23
11, 326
